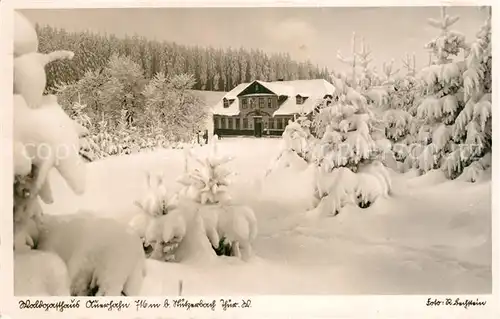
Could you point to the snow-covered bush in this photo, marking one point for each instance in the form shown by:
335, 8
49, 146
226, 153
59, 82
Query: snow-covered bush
102, 256
40, 273
297, 137
297, 144
164, 233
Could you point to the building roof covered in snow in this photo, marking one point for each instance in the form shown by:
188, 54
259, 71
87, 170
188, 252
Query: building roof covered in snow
314, 91
209, 98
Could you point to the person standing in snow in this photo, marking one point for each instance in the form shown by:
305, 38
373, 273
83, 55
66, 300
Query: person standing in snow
205, 136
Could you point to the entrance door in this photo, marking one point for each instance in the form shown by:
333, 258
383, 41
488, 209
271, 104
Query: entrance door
257, 126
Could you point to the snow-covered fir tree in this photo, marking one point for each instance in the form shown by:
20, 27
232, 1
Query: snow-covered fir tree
79, 254
443, 98
472, 128
223, 222
364, 79
200, 220
397, 122
347, 153
150, 223
405, 93
361, 75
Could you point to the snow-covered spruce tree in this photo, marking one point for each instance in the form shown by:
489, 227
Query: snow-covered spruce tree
399, 115
405, 89
346, 155
361, 76
38, 123
443, 98
149, 224
364, 79
397, 121
79, 253
205, 214
367, 76
472, 128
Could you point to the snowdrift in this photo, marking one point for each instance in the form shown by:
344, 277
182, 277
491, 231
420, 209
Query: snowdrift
428, 237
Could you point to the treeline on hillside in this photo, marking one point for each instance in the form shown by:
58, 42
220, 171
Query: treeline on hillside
213, 69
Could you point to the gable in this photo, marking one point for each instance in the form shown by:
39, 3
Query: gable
255, 88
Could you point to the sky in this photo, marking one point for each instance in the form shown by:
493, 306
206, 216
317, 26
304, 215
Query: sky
306, 33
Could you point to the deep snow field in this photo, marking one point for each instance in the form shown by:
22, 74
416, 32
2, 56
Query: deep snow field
430, 236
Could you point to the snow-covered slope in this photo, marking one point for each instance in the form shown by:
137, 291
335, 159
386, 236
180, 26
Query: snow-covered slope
431, 236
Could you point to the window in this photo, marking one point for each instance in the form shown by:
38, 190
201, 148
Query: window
269, 102
216, 122
252, 103
245, 123
280, 124
271, 124
298, 99
226, 103
244, 103
237, 123
223, 122
261, 102
230, 123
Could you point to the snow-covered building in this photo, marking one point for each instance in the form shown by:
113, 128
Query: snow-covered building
264, 108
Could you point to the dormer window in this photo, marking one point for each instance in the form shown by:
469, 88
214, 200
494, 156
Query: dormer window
226, 103
299, 100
